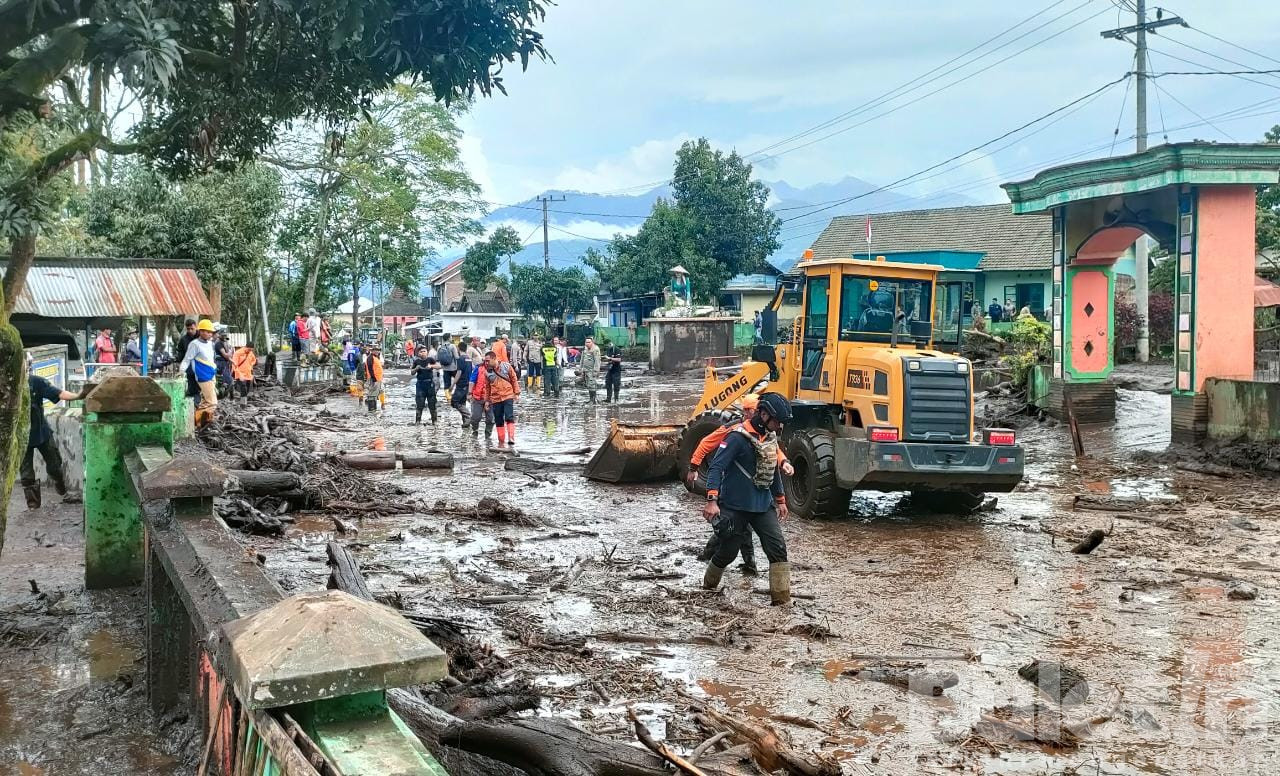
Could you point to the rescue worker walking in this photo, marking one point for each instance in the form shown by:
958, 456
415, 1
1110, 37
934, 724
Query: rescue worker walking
613, 377
709, 444
590, 366
373, 378
41, 438
744, 493
499, 386
242, 363
424, 368
200, 357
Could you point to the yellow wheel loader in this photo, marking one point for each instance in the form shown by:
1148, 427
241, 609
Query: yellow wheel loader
878, 403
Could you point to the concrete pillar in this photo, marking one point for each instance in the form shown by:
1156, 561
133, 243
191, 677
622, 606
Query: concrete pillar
121, 413
1213, 306
182, 411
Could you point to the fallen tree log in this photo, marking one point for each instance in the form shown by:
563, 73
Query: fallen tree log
552, 747
768, 748
1090, 542
380, 459
426, 460
266, 483
344, 572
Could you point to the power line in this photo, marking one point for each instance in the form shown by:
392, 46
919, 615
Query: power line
1235, 45
887, 96
899, 89
927, 95
1123, 102
1191, 110
976, 148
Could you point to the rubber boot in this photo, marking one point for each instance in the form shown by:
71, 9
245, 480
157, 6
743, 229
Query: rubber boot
502, 437
592, 394
711, 577
417, 418
511, 435
749, 559
709, 551
33, 496
780, 583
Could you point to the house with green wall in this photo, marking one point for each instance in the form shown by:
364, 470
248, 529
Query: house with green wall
994, 253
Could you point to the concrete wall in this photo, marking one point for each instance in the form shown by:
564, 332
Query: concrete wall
680, 344
1243, 408
68, 431
1223, 326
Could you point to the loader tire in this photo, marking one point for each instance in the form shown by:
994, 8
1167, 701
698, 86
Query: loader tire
690, 438
813, 491
946, 502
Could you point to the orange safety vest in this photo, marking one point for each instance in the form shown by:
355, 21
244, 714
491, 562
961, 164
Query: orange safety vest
242, 364
374, 365
711, 441
500, 350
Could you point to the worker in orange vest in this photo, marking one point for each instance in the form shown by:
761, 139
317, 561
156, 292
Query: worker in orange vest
373, 396
706, 447
242, 363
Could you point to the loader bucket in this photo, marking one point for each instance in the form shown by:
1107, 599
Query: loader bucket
635, 452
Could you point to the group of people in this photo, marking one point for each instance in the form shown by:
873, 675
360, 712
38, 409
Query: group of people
309, 333
105, 350
482, 380
207, 359
996, 313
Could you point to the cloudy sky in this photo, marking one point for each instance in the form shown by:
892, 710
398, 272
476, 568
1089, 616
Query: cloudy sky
632, 79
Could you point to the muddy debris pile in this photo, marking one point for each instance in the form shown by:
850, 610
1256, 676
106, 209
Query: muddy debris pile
1221, 459
275, 471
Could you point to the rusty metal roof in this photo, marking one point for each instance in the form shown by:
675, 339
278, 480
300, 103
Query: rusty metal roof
59, 287
1265, 293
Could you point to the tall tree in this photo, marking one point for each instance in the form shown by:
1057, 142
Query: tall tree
716, 225
480, 264
222, 222
1268, 228
550, 292
220, 80
405, 129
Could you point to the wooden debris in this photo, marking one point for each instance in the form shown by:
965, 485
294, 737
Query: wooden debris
1090, 542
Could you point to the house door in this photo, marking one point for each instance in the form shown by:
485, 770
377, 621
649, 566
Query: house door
816, 313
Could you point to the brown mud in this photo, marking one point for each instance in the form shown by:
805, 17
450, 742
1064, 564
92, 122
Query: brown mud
599, 608
595, 599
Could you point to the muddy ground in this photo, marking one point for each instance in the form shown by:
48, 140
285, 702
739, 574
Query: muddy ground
1180, 673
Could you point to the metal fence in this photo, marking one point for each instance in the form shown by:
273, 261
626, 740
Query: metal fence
1266, 365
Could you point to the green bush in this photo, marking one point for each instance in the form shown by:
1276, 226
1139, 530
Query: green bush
1029, 343
637, 353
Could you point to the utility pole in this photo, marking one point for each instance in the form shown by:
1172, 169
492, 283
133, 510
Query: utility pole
546, 242
1140, 249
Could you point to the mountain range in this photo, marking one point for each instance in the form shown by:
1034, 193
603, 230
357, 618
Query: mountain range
579, 220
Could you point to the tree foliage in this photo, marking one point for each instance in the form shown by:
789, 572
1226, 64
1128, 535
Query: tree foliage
221, 222
549, 292
404, 136
480, 264
1268, 228
716, 225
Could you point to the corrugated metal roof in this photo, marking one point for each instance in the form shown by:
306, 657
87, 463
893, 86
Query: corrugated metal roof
1265, 293
111, 288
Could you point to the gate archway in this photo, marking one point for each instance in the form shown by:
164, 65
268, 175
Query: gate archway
1198, 201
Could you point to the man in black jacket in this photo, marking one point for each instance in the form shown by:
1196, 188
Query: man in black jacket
744, 493
41, 438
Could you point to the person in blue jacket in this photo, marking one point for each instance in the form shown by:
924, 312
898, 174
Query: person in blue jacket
744, 493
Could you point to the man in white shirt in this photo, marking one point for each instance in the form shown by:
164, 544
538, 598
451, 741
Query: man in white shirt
313, 327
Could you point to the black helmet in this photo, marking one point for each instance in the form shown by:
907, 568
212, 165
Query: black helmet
776, 405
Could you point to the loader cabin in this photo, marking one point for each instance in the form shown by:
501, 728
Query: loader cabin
866, 338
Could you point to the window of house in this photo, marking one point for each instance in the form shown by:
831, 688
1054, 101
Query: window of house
1029, 295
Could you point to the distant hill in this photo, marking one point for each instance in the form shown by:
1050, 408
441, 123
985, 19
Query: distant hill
584, 219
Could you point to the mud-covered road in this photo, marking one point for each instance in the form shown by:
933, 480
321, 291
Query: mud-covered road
1180, 674
1180, 670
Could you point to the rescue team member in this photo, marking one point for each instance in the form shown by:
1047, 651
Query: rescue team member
498, 386
709, 444
200, 357
41, 438
242, 363
744, 493
183, 342
373, 379
424, 367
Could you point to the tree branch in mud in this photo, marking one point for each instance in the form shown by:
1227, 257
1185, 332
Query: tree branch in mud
768, 748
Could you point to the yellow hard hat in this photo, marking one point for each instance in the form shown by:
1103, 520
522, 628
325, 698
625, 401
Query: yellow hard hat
205, 325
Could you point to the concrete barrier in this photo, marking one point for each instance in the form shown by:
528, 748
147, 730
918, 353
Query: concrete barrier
1243, 409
